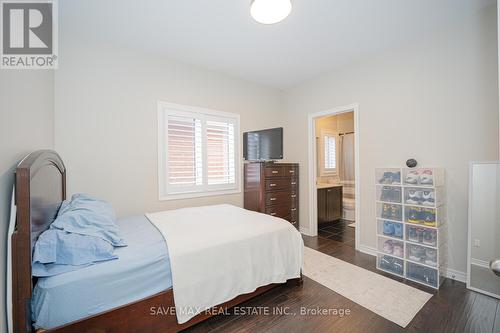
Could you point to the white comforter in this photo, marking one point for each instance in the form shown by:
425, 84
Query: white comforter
220, 252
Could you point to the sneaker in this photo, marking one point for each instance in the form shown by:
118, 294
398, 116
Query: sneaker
420, 235
396, 213
398, 230
392, 264
386, 194
412, 177
428, 198
414, 215
395, 194
396, 178
386, 178
416, 253
413, 235
414, 197
429, 237
397, 249
386, 211
429, 217
388, 247
426, 178
423, 274
431, 257
388, 228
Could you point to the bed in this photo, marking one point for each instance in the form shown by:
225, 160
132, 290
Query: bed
114, 296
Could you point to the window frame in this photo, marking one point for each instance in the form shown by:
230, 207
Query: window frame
323, 170
164, 110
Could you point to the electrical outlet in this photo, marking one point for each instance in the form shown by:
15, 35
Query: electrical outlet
477, 243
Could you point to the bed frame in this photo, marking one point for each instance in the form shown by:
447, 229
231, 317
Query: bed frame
40, 190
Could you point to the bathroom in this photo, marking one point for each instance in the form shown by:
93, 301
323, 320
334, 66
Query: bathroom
335, 182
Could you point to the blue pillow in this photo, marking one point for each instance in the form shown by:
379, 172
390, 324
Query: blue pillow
86, 215
57, 251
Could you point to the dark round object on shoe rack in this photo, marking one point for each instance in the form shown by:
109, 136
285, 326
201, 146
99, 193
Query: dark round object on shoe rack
411, 163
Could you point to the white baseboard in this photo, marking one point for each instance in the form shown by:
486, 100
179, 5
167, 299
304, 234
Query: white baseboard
449, 273
480, 263
305, 231
367, 250
456, 275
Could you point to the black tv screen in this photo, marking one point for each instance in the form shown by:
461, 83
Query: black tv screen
263, 145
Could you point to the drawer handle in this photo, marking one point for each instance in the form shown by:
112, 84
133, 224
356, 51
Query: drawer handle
273, 199
272, 185
292, 171
294, 209
294, 195
294, 183
272, 214
275, 171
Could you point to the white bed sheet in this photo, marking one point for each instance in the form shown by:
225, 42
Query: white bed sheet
220, 252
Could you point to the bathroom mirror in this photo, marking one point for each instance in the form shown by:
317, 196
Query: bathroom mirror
483, 262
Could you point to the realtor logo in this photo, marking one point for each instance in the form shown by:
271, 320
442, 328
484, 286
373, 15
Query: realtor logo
29, 34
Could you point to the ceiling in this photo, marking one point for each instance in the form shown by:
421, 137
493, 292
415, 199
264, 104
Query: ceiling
220, 35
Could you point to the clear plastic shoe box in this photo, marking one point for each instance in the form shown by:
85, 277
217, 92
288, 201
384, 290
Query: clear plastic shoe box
392, 212
423, 177
412, 201
390, 229
388, 176
391, 247
424, 216
390, 264
423, 274
424, 197
389, 193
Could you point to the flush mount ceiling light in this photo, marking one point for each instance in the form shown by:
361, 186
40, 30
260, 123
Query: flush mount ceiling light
270, 11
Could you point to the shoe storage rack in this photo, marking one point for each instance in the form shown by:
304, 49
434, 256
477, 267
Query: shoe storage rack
411, 223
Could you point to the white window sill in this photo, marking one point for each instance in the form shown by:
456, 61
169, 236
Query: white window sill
192, 195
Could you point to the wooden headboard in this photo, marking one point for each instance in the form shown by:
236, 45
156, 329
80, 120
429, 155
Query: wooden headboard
40, 190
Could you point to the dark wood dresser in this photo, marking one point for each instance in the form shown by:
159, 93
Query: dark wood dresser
273, 188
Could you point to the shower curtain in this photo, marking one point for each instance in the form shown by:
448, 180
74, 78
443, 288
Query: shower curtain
347, 177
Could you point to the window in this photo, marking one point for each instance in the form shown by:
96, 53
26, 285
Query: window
198, 152
330, 152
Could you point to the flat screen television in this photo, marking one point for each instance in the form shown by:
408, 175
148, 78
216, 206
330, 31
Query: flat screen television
265, 145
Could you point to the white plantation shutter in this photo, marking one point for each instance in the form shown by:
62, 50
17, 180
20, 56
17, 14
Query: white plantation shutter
330, 152
198, 152
220, 153
185, 165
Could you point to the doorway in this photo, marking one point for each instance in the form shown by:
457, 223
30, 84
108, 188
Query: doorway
334, 174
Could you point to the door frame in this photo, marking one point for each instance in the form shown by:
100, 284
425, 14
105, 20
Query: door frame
312, 164
471, 261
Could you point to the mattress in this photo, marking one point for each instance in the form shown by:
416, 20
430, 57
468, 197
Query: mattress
142, 270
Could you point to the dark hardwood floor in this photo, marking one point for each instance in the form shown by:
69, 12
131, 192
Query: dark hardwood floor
452, 309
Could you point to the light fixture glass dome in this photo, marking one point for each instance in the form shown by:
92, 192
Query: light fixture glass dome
270, 11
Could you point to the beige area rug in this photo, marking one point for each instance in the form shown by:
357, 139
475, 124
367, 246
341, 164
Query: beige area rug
390, 299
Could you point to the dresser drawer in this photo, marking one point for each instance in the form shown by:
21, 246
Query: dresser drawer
282, 211
278, 198
274, 171
278, 184
291, 171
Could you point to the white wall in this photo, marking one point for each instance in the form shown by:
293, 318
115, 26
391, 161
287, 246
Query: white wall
106, 119
434, 99
26, 124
